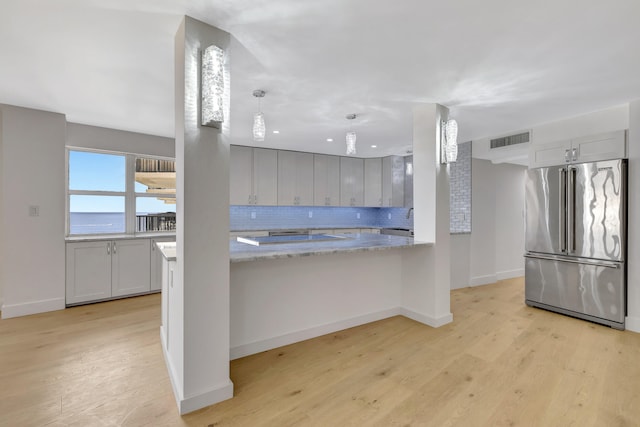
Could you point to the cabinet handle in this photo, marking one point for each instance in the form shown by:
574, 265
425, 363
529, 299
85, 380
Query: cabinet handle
574, 154
249, 199
114, 248
108, 248
567, 156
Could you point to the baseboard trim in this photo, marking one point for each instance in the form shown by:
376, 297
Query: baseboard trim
510, 274
305, 334
33, 307
434, 322
216, 394
632, 324
483, 280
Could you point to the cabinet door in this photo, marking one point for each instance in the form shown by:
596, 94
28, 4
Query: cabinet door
606, 146
130, 267
295, 178
88, 271
326, 180
241, 175
373, 182
549, 154
393, 178
351, 181
265, 176
156, 262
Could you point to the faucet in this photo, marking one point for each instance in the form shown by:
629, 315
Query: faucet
409, 212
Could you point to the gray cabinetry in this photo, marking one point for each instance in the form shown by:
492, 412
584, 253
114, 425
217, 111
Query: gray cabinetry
393, 170
295, 178
326, 180
253, 174
373, 182
351, 181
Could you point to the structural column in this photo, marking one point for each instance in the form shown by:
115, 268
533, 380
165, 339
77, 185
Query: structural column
197, 344
426, 270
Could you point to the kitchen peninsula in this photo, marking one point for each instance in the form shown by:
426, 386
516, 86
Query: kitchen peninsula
288, 292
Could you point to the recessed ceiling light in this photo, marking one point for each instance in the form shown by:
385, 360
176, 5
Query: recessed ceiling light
329, 139
276, 131
374, 146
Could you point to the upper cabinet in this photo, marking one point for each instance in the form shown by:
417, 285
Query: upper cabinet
295, 178
326, 180
253, 176
393, 178
611, 145
260, 176
373, 182
351, 181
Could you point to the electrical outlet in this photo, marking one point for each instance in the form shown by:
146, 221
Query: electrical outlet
388, 216
358, 215
253, 215
310, 214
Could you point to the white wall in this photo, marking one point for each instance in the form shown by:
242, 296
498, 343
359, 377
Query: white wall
611, 119
460, 260
633, 239
33, 171
494, 249
99, 138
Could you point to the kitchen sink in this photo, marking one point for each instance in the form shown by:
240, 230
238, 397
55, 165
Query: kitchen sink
406, 232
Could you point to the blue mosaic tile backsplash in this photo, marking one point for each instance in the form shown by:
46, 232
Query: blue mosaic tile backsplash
280, 217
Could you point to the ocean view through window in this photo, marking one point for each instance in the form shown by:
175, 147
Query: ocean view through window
119, 193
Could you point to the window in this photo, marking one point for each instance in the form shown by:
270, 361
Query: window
119, 193
155, 188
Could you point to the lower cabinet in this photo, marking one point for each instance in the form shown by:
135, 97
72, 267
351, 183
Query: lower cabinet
156, 263
104, 269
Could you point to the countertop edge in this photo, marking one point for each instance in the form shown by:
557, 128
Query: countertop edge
327, 251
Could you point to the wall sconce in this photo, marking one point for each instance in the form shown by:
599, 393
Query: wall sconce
449, 141
212, 86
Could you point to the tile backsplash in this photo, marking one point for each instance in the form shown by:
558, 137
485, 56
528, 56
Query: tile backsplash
280, 217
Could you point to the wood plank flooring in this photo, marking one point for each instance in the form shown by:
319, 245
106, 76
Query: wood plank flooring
500, 363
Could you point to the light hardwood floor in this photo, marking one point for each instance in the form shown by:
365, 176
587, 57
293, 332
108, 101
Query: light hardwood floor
499, 363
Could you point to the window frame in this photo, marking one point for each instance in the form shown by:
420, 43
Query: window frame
130, 195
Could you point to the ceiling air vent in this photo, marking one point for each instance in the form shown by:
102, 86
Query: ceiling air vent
505, 141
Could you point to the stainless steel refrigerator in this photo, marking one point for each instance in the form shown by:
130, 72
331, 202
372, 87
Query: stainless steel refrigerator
576, 240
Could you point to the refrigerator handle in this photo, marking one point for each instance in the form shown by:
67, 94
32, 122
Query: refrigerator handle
571, 211
562, 203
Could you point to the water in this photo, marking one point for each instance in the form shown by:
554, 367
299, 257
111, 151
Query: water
96, 222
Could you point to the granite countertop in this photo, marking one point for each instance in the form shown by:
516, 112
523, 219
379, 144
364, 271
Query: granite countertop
241, 252
168, 250
306, 227
93, 237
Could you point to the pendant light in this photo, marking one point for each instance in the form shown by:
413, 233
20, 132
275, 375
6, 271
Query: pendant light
351, 137
259, 128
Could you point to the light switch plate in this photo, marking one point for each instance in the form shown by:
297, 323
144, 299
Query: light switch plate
34, 210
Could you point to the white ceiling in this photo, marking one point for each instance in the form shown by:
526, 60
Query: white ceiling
499, 65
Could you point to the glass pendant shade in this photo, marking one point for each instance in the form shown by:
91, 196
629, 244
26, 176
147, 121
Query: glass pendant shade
259, 129
212, 86
351, 143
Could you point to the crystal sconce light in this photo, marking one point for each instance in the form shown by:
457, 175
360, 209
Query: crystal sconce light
212, 86
449, 141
